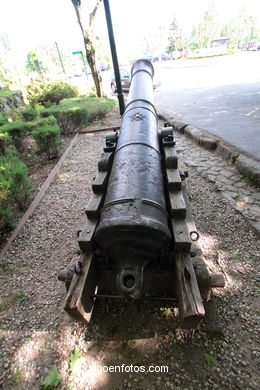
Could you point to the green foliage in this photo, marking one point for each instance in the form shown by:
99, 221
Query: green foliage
46, 93
75, 361
235, 255
75, 113
167, 312
15, 186
17, 130
36, 90
60, 90
21, 297
5, 141
52, 380
48, 140
212, 362
18, 376
33, 64
3, 119
30, 114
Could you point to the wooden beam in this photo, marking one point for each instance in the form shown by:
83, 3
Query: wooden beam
170, 156
182, 241
174, 180
191, 308
178, 205
79, 302
96, 130
94, 205
99, 182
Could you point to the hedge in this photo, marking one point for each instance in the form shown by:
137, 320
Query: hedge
76, 113
48, 139
15, 186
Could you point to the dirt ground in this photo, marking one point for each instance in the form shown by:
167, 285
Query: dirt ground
143, 340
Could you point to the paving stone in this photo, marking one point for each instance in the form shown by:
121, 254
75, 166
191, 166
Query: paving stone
240, 184
223, 179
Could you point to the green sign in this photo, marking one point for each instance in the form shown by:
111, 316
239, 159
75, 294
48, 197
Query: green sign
76, 52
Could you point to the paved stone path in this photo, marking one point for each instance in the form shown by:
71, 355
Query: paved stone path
241, 193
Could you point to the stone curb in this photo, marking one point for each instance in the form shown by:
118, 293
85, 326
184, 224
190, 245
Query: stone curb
246, 166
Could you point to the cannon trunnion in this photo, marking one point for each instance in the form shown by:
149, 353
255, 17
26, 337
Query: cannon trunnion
139, 232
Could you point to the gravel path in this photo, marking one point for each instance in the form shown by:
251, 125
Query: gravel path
37, 335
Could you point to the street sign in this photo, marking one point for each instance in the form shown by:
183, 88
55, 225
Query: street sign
76, 52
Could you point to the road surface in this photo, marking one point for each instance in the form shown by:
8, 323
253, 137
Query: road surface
219, 94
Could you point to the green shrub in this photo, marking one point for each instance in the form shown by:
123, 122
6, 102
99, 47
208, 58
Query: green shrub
5, 141
48, 139
36, 90
15, 186
17, 131
46, 93
60, 90
30, 114
3, 120
75, 113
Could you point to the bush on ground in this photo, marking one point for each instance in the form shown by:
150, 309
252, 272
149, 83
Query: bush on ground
35, 91
5, 141
76, 113
30, 114
3, 120
15, 186
46, 93
60, 90
17, 131
48, 139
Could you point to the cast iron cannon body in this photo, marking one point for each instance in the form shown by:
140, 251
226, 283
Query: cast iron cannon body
139, 232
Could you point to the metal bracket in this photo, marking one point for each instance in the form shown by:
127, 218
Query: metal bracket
166, 136
111, 142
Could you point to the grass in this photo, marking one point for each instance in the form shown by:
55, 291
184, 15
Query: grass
75, 361
211, 361
12, 268
18, 375
21, 297
210, 56
52, 380
235, 255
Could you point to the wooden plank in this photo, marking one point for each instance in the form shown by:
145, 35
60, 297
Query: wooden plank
174, 179
178, 205
87, 234
79, 302
171, 159
105, 163
95, 130
99, 182
182, 241
191, 308
94, 205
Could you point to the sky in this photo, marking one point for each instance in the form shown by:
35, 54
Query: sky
30, 23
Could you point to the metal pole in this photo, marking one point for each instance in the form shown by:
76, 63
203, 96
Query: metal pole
61, 61
120, 95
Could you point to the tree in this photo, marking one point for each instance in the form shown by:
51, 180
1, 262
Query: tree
88, 37
176, 39
208, 29
33, 64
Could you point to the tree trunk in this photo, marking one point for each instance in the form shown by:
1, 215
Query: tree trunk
88, 43
91, 59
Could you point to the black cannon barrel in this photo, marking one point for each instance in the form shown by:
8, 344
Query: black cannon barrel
133, 228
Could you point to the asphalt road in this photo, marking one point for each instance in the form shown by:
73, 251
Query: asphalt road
219, 94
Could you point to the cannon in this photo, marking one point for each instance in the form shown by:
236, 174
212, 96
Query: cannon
139, 237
